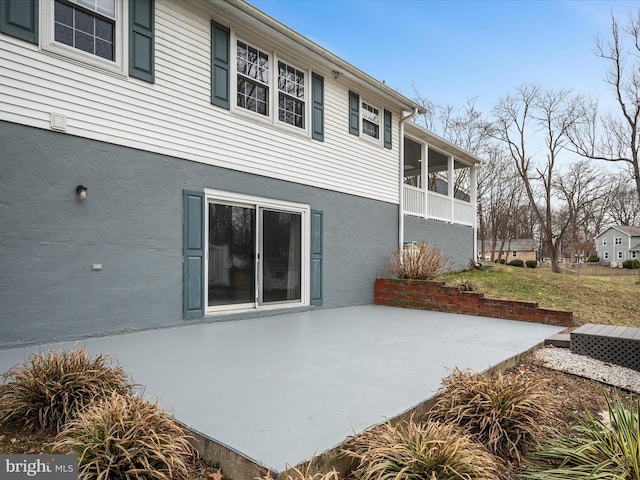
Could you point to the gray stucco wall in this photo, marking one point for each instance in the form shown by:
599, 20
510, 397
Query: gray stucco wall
455, 241
131, 223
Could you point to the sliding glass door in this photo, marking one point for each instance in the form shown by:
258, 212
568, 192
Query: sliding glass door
255, 255
281, 256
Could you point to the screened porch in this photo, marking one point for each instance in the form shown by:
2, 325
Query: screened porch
439, 179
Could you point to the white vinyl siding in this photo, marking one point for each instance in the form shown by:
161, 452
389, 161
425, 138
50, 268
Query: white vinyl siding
175, 117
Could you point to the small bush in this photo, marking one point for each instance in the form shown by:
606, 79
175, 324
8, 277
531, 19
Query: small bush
531, 263
421, 261
294, 473
465, 285
419, 451
633, 264
49, 389
593, 258
516, 263
502, 261
595, 449
123, 436
504, 413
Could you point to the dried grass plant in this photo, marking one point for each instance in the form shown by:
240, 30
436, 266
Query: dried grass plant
49, 389
594, 449
412, 451
126, 437
421, 261
294, 473
505, 413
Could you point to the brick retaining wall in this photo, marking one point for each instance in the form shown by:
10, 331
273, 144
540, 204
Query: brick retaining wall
430, 295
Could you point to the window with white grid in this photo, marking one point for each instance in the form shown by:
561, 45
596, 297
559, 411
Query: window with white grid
370, 120
253, 79
291, 91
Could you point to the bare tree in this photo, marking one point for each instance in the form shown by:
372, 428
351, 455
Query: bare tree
624, 207
614, 137
580, 188
550, 113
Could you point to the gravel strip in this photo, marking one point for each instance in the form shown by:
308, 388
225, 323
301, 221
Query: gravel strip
562, 359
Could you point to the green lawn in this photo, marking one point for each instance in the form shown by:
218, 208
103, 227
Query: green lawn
606, 299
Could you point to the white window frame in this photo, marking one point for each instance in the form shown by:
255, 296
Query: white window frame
230, 198
365, 135
620, 255
604, 242
121, 40
272, 117
514, 253
605, 255
617, 240
634, 254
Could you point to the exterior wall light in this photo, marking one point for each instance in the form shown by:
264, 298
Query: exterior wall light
81, 190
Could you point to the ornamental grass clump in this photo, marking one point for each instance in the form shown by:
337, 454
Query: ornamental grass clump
421, 261
50, 389
294, 473
428, 451
504, 413
608, 450
126, 437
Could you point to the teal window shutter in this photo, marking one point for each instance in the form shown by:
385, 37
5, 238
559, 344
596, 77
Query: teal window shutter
317, 119
316, 257
142, 39
193, 254
387, 129
220, 65
354, 113
19, 18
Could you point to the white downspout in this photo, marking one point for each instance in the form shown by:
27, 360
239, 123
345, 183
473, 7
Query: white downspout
401, 162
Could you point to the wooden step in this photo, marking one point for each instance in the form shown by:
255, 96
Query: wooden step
562, 340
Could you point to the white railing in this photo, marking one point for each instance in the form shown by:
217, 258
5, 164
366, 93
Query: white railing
463, 212
438, 207
413, 201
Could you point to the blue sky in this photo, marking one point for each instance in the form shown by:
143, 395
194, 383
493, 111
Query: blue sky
456, 50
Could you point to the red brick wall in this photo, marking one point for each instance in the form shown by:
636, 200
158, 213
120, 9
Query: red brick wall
426, 295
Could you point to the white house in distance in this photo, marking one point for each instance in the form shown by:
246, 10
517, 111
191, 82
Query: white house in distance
175, 161
617, 244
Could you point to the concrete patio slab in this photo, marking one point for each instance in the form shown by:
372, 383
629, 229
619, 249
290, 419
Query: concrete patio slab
281, 389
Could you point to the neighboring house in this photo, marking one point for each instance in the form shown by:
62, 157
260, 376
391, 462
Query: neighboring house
617, 244
521, 249
191, 159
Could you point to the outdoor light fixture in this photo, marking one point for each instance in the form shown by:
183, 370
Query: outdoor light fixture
81, 190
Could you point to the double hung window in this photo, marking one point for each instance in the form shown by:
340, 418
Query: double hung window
254, 86
291, 104
88, 25
253, 79
370, 120
88, 31
617, 241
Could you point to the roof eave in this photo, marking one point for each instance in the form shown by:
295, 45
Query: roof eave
329, 60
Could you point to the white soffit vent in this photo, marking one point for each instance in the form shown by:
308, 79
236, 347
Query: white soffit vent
58, 121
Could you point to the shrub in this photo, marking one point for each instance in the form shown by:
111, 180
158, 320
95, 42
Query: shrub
516, 263
294, 473
465, 285
49, 389
419, 451
126, 437
421, 261
593, 258
595, 449
631, 264
502, 261
504, 413
531, 263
